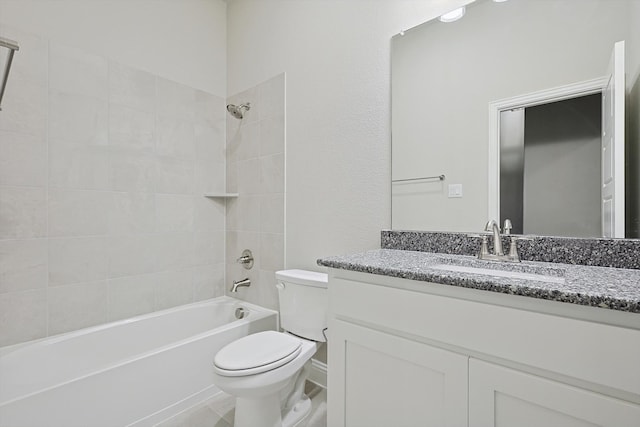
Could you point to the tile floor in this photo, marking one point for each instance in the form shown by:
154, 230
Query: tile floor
218, 411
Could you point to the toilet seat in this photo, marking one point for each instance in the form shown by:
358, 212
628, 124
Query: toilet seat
256, 353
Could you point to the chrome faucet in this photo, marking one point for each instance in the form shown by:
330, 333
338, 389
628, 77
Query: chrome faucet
498, 252
240, 283
493, 226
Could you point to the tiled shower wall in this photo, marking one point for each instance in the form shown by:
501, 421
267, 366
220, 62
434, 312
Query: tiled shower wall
255, 170
102, 171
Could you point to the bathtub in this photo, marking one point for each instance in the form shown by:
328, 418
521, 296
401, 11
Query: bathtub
133, 372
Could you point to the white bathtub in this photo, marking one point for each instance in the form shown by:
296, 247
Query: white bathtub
136, 372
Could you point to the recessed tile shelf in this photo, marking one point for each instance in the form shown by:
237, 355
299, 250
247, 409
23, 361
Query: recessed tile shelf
220, 195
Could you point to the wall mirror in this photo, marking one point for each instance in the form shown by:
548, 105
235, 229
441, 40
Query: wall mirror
500, 114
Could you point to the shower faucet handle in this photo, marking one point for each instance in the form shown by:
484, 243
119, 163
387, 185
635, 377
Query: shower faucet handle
246, 259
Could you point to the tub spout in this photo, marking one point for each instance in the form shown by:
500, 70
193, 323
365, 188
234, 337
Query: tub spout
239, 283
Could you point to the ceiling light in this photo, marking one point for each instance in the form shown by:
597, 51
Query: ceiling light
454, 15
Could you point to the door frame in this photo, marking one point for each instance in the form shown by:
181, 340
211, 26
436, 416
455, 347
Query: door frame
546, 96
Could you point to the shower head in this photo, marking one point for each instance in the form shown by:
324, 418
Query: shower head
237, 110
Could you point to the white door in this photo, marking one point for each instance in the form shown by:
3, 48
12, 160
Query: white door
503, 397
613, 118
382, 380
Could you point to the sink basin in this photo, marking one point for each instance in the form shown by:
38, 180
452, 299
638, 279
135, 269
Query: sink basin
499, 273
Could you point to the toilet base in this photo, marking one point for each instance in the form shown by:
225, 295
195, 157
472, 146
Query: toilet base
297, 416
265, 412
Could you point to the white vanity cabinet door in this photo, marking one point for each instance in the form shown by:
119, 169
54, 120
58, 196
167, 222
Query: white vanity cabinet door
382, 380
503, 397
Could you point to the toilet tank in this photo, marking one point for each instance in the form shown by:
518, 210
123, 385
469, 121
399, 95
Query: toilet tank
303, 301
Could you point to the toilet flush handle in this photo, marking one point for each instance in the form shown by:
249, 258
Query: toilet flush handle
280, 286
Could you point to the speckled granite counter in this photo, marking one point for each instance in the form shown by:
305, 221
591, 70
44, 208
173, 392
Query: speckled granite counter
604, 287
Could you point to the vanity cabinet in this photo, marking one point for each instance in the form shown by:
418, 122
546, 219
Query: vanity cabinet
504, 397
404, 353
388, 380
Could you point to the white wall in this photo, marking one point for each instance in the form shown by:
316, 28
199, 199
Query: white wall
181, 40
336, 54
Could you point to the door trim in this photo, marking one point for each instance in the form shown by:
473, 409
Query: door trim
546, 96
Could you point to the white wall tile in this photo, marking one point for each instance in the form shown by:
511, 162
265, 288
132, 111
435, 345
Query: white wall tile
255, 169
78, 167
72, 70
174, 212
23, 159
77, 260
246, 141
173, 288
271, 136
131, 254
23, 265
174, 251
208, 281
131, 87
272, 173
209, 176
175, 175
210, 142
272, 213
175, 100
209, 214
247, 213
77, 212
24, 316
132, 213
232, 177
209, 248
130, 296
108, 164
79, 306
23, 212
248, 176
131, 128
131, 170
210, 110
176, 138
77, 118
24, 108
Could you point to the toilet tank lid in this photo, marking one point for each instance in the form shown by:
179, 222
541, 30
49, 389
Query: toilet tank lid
303, 277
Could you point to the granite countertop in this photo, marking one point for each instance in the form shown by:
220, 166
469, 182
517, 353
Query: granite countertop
604, 287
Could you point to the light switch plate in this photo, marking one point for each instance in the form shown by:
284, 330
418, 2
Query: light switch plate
455, 191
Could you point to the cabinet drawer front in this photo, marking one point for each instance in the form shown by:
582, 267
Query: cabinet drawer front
502, 397
588, 351
382, 380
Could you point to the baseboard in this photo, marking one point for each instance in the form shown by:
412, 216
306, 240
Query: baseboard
318, 373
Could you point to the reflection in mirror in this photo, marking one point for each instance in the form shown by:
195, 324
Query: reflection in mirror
446, 77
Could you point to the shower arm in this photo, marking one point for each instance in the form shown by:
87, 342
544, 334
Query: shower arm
13, 47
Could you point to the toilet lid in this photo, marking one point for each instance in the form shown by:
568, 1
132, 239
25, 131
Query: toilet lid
257, 353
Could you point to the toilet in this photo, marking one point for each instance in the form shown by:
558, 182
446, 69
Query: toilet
266, 371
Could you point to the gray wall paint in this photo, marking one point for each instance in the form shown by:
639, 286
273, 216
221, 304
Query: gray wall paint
562, 168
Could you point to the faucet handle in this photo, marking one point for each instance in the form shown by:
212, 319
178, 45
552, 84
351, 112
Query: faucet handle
507, 226
484, 247
513, 249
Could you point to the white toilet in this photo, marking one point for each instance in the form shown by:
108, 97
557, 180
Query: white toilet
266, 371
